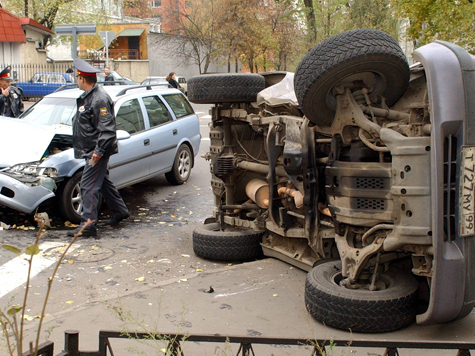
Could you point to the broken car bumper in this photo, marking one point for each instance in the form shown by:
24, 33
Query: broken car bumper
21, 196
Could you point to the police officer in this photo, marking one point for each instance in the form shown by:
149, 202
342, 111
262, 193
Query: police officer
10, 97
95, 140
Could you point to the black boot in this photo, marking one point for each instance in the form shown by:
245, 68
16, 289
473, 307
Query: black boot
90, 230
116, 219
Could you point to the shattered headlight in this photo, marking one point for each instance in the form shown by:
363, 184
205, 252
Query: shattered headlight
33, 169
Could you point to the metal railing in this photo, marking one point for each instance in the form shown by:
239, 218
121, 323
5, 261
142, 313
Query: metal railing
174, 348
23, 72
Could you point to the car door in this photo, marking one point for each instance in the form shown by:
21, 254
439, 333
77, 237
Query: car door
164, 136
132, 163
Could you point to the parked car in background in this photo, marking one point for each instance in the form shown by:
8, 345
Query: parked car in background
157, 129
159, 79
183, 84
156, 80
118, 79
43, 83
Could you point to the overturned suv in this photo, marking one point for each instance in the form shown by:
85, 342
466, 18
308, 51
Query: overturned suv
364, 177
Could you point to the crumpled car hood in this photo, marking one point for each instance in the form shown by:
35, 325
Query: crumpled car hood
23, 142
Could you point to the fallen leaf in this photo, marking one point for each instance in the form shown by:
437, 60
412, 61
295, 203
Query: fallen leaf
143, 209
274, 295
174, 192
107, 267
28, 317
141, 214
198, 189
191, 213
94, 248
31, 228
173, 215
199, 270
37, 293
162, 222
140, 279
150, 261
124, 261
184, 280
170, 224
183, 255
230, 264
70, 262
69, 302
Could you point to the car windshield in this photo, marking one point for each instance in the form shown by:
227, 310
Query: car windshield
51, 111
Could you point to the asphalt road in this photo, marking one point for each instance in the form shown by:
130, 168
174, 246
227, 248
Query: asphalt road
144, 275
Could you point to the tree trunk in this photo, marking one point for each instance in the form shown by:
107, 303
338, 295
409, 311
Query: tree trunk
311, 22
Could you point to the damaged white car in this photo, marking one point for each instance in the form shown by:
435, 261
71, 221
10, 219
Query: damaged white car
365, 178
157, 129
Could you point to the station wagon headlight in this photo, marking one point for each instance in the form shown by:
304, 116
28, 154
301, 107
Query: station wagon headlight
33, 170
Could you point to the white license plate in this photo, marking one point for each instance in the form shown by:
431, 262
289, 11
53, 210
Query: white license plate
467, 192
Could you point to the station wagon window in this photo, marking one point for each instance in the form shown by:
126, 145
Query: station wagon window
156, 110
179, 105
129, 117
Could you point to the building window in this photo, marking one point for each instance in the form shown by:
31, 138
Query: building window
156, 3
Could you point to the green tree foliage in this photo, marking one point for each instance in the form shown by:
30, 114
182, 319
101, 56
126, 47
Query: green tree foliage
448, 20
52, 12
376, 14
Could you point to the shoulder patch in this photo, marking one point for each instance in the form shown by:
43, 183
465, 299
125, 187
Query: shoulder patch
103, 111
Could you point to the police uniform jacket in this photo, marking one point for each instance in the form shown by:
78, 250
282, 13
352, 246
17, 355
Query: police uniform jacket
94, 124
12, 102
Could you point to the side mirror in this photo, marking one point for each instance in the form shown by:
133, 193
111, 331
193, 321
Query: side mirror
122, 135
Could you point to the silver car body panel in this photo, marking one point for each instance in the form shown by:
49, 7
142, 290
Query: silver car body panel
447, 99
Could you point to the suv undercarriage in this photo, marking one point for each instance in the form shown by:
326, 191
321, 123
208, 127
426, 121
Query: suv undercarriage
364, 177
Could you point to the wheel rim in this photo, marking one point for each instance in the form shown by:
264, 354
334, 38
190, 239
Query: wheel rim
76, 199
184, 164
381, 284
367, 79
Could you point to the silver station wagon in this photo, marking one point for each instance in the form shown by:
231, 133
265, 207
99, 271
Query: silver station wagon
157, 130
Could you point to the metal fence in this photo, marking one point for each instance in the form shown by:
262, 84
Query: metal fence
23, 72
318, 347
37, 80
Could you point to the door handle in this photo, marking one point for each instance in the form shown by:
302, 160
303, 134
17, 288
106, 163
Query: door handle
146, 142
175, 132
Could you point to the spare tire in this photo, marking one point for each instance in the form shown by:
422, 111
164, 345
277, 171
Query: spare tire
369, 58
225, 88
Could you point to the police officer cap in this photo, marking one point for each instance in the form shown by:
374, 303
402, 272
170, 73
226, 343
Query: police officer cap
84, 68
5, 74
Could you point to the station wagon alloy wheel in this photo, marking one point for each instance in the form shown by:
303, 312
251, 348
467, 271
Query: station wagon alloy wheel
181, 170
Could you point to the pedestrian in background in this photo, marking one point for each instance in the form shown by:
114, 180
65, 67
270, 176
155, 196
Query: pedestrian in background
10, 97
95, 140
172, 81
108, 77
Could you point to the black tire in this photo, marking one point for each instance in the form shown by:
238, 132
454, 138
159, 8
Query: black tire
360, 310
181, 169
70, 201
349, 53
211, 243
225, 88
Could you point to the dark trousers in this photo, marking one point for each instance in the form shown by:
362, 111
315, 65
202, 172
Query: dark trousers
95, 179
